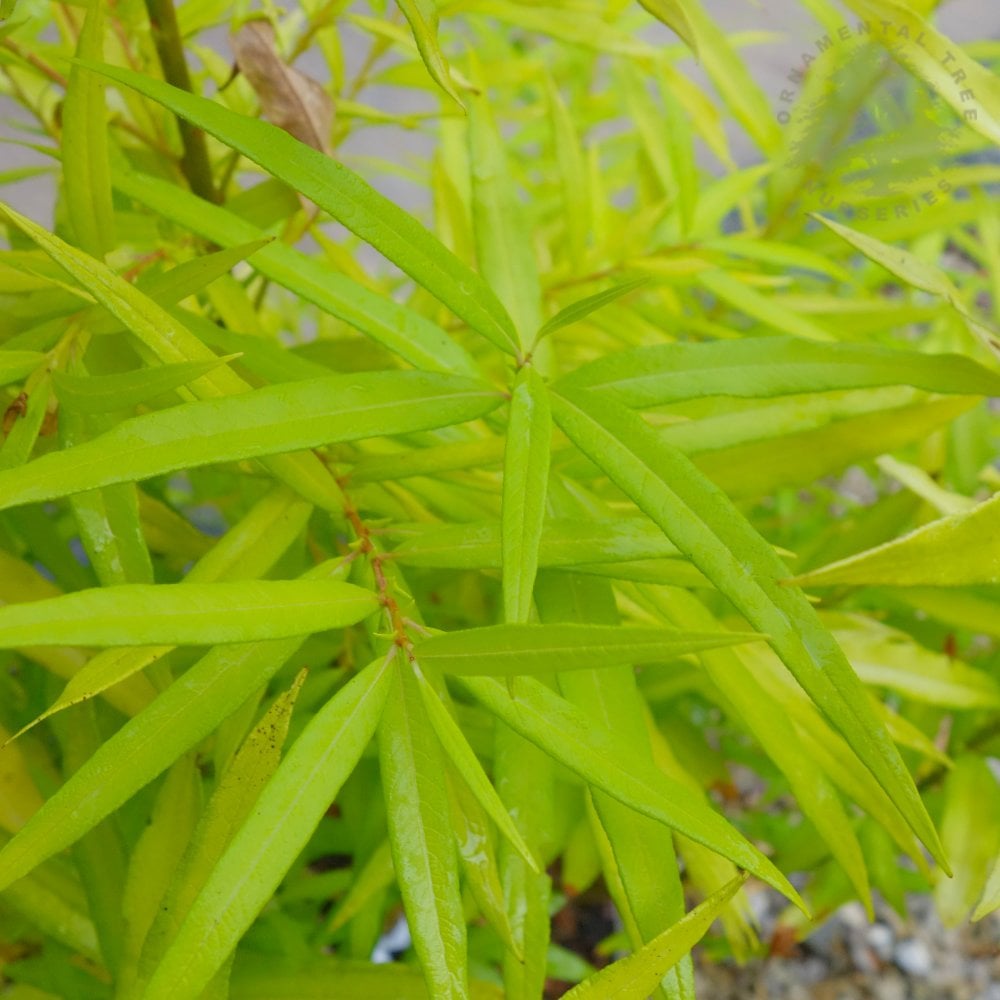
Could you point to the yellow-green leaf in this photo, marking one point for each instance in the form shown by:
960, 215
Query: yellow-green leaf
269, 421
673, 14
705, 525
422, 16
285, 816
194, 613
970, 830
86, 173
970, 88
607, 761
525, 484
952, 551
497, 650
423, 848
636, 976
348, 198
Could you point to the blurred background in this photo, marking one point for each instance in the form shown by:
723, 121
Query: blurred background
775, 33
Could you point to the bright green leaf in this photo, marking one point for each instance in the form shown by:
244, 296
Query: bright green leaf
422, 16
635, 977
525, 482
194, 613
948, 552
702, 522
349, 199
773, 366
503, 650
423, 848
287, 811
272, 420
606, 761
86, 173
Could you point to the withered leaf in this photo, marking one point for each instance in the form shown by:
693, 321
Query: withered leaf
289, 99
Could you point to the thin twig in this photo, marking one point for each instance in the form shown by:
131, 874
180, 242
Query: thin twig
170, 49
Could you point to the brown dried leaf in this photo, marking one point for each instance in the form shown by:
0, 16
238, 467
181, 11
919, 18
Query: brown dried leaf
289, 99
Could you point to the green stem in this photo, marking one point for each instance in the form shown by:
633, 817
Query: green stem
166, 37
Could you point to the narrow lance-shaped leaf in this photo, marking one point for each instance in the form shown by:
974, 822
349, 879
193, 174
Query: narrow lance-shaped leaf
703, 867
166, 288
272, 420
639, 861
422, 16
199, 272
763, 367
673, 13
526, 782
767, 309
607, 761
911, 270
764, 464
15, 365
196, 613
182, 716
572, 174
886, 657
286, 814
21, 438
705, 525
172, 342
990, 899
349, 199
525, 482
110, 531
902, 264
468, 767
829, 751
732, 79
423, 848
970, 829
21, 798
504, 250
582, 308
480, 868
938, 61
122, 391
247, 551
428, 461
54, 912
86, 174
767, 720
497, 650
21, 582
100, 856
235, 796
108, 518
564, 542
636, 976
952, 551
407, 333
154, 860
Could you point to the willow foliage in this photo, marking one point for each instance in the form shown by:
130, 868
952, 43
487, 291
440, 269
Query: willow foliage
442, 555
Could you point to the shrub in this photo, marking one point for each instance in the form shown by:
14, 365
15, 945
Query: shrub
462, 578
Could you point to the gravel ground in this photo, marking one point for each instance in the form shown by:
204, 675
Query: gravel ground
849, 959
